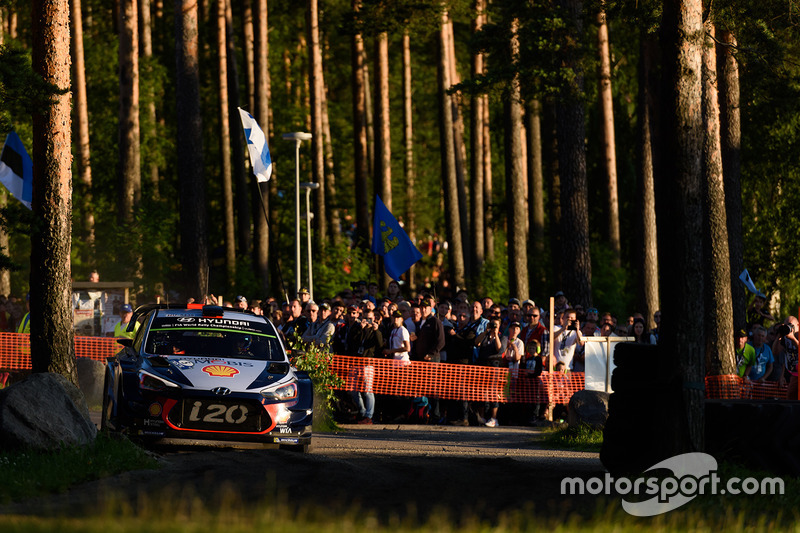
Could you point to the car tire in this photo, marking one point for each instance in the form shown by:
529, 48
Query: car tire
296, 448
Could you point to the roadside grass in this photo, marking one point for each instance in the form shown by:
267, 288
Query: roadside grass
582, 438
27, 474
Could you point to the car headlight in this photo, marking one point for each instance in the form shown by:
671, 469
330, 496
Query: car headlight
149, 381
282, 393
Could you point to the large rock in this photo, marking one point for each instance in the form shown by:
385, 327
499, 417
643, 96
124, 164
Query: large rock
91, 375
588, 407
44, 412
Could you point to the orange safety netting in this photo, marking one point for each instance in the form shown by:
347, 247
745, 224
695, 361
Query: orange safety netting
732, 387
454, 382
15, 349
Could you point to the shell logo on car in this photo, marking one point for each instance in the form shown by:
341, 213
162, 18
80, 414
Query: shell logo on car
220, 371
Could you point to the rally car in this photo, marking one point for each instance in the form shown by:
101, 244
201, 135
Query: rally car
206, 373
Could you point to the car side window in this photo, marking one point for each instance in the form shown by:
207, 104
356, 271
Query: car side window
139, 339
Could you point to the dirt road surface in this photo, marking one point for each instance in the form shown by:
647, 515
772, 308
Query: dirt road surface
402, 471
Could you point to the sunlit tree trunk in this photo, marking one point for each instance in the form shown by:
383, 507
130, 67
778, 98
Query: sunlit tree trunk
82, 114
488, 201
334, 222
478, 244
249, 55
129, 140
679, 198
147, 52
261, 198
455, 254
189, 147
731, 138
225, 146
383, 146
609, 143
368, 114
52, 348
719, 306
536, 193
360, 175
408, 144
316, 93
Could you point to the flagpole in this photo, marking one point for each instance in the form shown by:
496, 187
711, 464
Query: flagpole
266, 219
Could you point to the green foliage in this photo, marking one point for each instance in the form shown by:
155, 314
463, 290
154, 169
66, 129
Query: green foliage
581, 438
316, 360
339, 265
28, 474
612, 288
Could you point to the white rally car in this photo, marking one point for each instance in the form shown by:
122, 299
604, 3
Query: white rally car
207, 373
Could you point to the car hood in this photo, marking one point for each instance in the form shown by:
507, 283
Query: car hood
235, 374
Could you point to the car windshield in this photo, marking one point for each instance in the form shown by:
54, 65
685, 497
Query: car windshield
183, 337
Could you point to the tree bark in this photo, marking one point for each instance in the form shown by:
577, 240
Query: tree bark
249, 55
488, 200
478, 244
455, 254
550, 155
241, 196
383, 146
189, 147
679, 201
517, 234
147, 52
719, 306
731, 139
129, 141
317, 141
576, 261
536, 192
408, 144
360, 175
646, 236
5, 275
609, 143
261, 240
52, 348
334, 221
82, 114
225, 146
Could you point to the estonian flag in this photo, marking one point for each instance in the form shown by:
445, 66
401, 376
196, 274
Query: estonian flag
391, 241
16, 170
257, 145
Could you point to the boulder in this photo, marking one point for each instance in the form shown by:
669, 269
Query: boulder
44, 412
588, 407
91, 376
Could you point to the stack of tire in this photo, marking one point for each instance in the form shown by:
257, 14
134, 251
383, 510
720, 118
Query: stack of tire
644, 412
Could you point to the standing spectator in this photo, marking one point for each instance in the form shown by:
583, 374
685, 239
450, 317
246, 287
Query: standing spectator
561, 304
460, 343
240, 302
399, 344
535, 331
764, 358
745, 355
372, 290
393, 291
784, 351
360, 339
487, 304
512, 348
656, 330
568, 337
121, 327
429, 344
639, 333
320, 328
296, 324
490, 353
756, 314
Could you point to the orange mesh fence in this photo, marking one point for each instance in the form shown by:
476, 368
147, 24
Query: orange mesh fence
732, 387
454, 382
15, 349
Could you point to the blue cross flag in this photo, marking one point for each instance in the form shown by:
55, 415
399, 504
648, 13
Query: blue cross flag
16, 170
257, 146
391, 241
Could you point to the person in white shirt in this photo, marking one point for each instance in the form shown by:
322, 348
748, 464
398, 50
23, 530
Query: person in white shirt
567, 338
399, 340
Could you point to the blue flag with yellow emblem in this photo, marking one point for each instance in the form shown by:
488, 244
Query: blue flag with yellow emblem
391, 241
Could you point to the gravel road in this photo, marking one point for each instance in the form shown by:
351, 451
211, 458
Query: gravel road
402, 471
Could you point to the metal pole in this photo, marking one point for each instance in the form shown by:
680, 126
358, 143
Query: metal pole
308, 188
298, 137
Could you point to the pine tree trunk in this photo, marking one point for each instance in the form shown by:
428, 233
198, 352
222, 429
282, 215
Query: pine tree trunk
408, 144
609, 143
517, 235
368, 114
84, 163
455, 254
536, 192
189, 147
550, 155
383, 147
360, 175
731, 137
647, 253
575, 261
129, 143
488, 200
316, 91
334, 220
249, 55
261, 200
5, 275
52, 348
478, 244
679, 201
225, 146
241, 196
147, 52
719, 306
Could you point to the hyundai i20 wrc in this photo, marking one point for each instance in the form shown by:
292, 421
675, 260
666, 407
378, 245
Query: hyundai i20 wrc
206, 373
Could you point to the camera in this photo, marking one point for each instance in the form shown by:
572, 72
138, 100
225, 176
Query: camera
784, 330
572, 326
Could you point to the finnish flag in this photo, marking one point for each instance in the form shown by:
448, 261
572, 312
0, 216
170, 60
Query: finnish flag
748, 282
16, 170
257, 146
